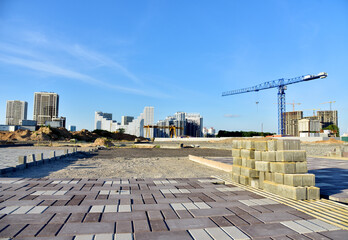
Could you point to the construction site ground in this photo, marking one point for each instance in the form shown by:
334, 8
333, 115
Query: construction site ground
130, 193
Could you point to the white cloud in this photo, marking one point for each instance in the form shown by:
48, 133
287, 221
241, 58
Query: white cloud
231, 116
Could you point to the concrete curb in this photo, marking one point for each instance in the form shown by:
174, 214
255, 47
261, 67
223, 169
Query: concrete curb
211, 163
32, 160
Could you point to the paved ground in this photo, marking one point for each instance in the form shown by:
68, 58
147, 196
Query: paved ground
9, 156
331, 176
143, 209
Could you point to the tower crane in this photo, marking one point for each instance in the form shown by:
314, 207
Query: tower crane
293, 105
312, 109
329, 102
281, 84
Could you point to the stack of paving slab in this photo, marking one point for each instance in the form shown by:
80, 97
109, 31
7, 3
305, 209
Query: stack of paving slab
276, 165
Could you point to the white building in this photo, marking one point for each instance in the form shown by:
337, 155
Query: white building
135, 127
16, 111
103, 121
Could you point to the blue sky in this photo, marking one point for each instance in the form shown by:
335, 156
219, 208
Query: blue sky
120, 56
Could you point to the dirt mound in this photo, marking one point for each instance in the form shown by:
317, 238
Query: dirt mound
84, 135
19, 135
61, 134
103, 142
330, 141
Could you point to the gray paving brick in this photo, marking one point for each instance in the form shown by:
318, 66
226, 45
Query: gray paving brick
311, 226
123, 236
37, 210
296, 227
325, 225
218, 234
103, 237
235, 233
199, 234
84, 237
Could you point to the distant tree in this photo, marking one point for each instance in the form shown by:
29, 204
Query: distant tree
224, 133
334, 129
121, 130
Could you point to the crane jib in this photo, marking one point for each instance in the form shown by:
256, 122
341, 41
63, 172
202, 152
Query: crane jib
281, 85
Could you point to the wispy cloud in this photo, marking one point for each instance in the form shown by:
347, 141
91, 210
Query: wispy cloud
36, 51
56, 70
103, 61
231, 116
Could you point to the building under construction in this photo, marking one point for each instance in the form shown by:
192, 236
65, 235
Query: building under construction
325, 118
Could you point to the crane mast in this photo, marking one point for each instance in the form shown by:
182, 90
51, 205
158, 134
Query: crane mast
281, 84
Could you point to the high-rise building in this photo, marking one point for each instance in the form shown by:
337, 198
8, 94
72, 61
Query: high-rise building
327, 118
291, 122
189, 124
45, 107
126, 120
16, 111
103, 121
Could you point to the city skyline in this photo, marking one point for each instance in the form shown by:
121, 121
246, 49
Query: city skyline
118, 57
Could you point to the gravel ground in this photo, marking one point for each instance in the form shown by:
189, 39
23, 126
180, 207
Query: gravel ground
130, 163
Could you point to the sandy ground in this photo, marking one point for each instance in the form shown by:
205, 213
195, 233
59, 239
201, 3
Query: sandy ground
129, 163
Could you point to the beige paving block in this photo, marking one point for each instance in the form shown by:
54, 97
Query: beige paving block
244, 162
300, 156
235, 178
247, 153
235, 152
288, 144
283, 167
261, 146
258, 155
262, 166
236, 144
236, 169
243, 144
301, 167
291, 156
249, 172
308, 180
293, 180
255, 182
302, 180
270, 187
237, 161
250, 163
269, 156
261, 179
279, 178
250, 144
268, 176
272, 145
296, 193
284, 156
244, 180
313, 193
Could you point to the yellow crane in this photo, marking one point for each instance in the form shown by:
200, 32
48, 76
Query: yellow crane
293, 105
318, 109
172, 129
329, 102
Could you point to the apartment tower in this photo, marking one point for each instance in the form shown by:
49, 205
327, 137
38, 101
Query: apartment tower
16, 111
45, 107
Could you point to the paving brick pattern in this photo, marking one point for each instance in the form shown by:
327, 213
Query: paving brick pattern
331, 176
148, 209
